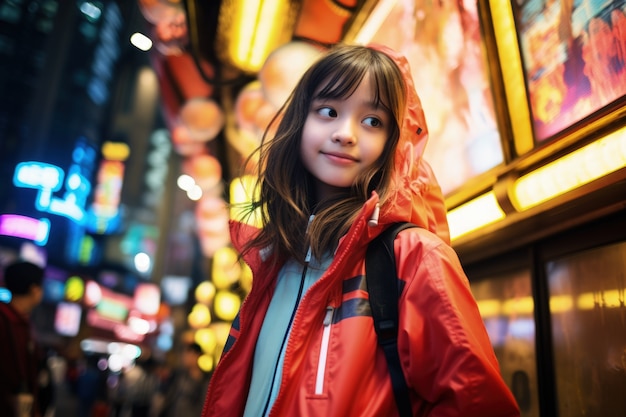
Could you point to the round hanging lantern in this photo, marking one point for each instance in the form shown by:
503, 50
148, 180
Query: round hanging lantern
155, 11
213, 235
226, 269
264, 117
222, 330
214, 227
206, 362
205, 169
253, 114
210, 207
205, 291
248, 103
199, 317
212, 224
203, 117
283, 69
183, 143
226, 305
207, 339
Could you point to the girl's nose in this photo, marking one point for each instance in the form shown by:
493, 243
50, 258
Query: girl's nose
345, 134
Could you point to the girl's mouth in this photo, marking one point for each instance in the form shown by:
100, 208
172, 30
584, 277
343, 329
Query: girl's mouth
340, 158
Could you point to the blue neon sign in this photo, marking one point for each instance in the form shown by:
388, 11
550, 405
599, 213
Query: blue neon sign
49, 178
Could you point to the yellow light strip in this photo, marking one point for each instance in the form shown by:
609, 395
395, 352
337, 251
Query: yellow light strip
510, 307
474, 214
578, 168
518, 305
256, 30
489, 308
512, 74
558, 303
244, 25
265, 31
606, 299
561, 303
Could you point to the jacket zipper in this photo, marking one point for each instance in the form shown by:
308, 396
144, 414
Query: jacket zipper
285, 341
321, 365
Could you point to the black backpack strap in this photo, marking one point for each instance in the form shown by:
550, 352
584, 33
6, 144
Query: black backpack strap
382, 286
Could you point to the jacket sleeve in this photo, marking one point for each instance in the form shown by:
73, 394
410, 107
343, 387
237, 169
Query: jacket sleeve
447, 356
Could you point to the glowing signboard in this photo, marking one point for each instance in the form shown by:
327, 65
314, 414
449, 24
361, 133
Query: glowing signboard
38, 175
67, 319
104, 214
25, 227
47, 179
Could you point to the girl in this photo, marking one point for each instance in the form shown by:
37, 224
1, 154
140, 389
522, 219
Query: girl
344, 164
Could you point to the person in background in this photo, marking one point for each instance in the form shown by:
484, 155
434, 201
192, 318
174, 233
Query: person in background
183, 393
134, 392
90, 386
344, 164
46, 388
145, 388
19, 352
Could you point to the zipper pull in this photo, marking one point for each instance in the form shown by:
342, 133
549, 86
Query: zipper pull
328, 318
373, 221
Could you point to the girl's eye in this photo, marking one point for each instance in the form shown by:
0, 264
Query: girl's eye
373, 122
327, 112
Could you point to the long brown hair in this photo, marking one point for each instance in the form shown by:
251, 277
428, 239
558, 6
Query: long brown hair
286, 188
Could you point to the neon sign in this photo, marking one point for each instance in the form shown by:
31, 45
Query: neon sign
38, 175
47, 179
104, 213
25, 227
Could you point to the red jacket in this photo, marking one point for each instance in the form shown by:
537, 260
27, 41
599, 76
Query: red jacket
447, 358
18, 358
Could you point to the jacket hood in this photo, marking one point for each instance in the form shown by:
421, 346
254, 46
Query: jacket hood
415, 195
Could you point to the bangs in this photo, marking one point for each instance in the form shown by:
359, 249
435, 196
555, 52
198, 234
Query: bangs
344, 79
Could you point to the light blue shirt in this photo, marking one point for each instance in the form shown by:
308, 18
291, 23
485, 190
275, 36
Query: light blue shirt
269, 354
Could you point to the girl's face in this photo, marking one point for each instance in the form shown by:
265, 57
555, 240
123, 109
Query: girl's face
343, 137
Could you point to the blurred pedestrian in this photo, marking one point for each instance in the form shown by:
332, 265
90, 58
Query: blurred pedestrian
184, 392
144, 389
136, 388
19, 353
90, 387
